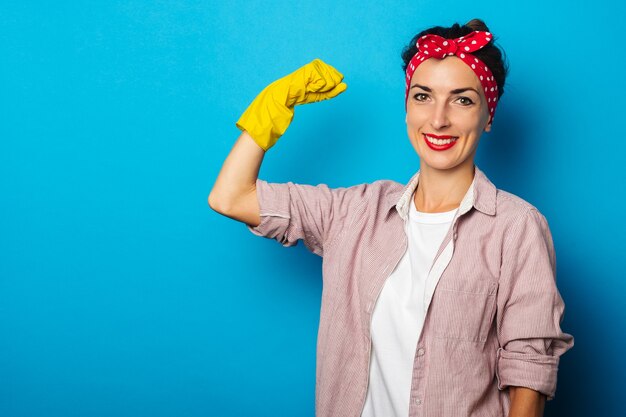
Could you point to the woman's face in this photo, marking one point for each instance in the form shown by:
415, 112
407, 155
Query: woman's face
446, 100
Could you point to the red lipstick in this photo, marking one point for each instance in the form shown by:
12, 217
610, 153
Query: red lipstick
436, 147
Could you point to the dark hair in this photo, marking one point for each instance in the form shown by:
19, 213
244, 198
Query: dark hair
492, 55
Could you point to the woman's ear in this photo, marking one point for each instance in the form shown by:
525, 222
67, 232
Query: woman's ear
488, 127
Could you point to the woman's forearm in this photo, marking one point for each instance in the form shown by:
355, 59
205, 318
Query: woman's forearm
526, 402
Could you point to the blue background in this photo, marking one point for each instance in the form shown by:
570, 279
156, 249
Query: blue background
122, 293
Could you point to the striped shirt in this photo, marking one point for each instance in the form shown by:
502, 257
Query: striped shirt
494, 316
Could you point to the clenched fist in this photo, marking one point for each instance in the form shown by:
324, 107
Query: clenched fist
270, 113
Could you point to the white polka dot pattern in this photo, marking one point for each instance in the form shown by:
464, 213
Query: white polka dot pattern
439, 47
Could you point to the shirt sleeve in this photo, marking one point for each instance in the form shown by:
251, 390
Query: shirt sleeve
317, 215
530, 309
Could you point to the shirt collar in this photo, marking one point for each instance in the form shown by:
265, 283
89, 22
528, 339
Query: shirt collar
481, 194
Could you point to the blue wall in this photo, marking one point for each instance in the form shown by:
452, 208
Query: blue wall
122, 293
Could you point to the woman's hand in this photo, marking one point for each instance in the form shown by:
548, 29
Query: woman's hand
270, 113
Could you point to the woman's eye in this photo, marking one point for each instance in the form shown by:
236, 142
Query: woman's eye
465, 101
420, 96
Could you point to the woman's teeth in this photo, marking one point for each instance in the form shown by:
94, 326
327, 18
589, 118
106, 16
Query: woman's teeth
440, 141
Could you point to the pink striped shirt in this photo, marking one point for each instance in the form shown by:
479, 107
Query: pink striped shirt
494, 318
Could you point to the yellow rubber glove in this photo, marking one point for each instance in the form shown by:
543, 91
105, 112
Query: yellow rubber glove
270, 113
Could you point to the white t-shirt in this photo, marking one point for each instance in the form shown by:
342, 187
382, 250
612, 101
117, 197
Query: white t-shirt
399, 315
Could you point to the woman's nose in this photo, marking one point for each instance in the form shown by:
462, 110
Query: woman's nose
439, 118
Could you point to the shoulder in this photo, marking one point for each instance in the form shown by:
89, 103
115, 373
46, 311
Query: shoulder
375, 190
516, 211
321, 196
386, 191
509, 208
387, 186
508, 202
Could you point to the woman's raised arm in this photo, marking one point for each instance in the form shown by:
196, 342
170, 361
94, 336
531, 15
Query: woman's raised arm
263, 122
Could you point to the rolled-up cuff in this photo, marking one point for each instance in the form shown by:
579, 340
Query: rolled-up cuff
537, 372
274, 210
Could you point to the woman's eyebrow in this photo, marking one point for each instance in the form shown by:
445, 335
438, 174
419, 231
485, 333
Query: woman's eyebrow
455, 91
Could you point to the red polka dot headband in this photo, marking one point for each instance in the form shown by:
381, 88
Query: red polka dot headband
434, 46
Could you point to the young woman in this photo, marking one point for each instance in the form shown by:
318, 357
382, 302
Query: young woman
439, 296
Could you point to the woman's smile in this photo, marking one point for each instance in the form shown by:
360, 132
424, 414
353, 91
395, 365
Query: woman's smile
439, 143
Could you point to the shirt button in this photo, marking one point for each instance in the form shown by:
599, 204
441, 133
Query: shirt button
420, 352
418, 401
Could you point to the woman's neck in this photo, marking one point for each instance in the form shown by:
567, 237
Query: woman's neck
442, 190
